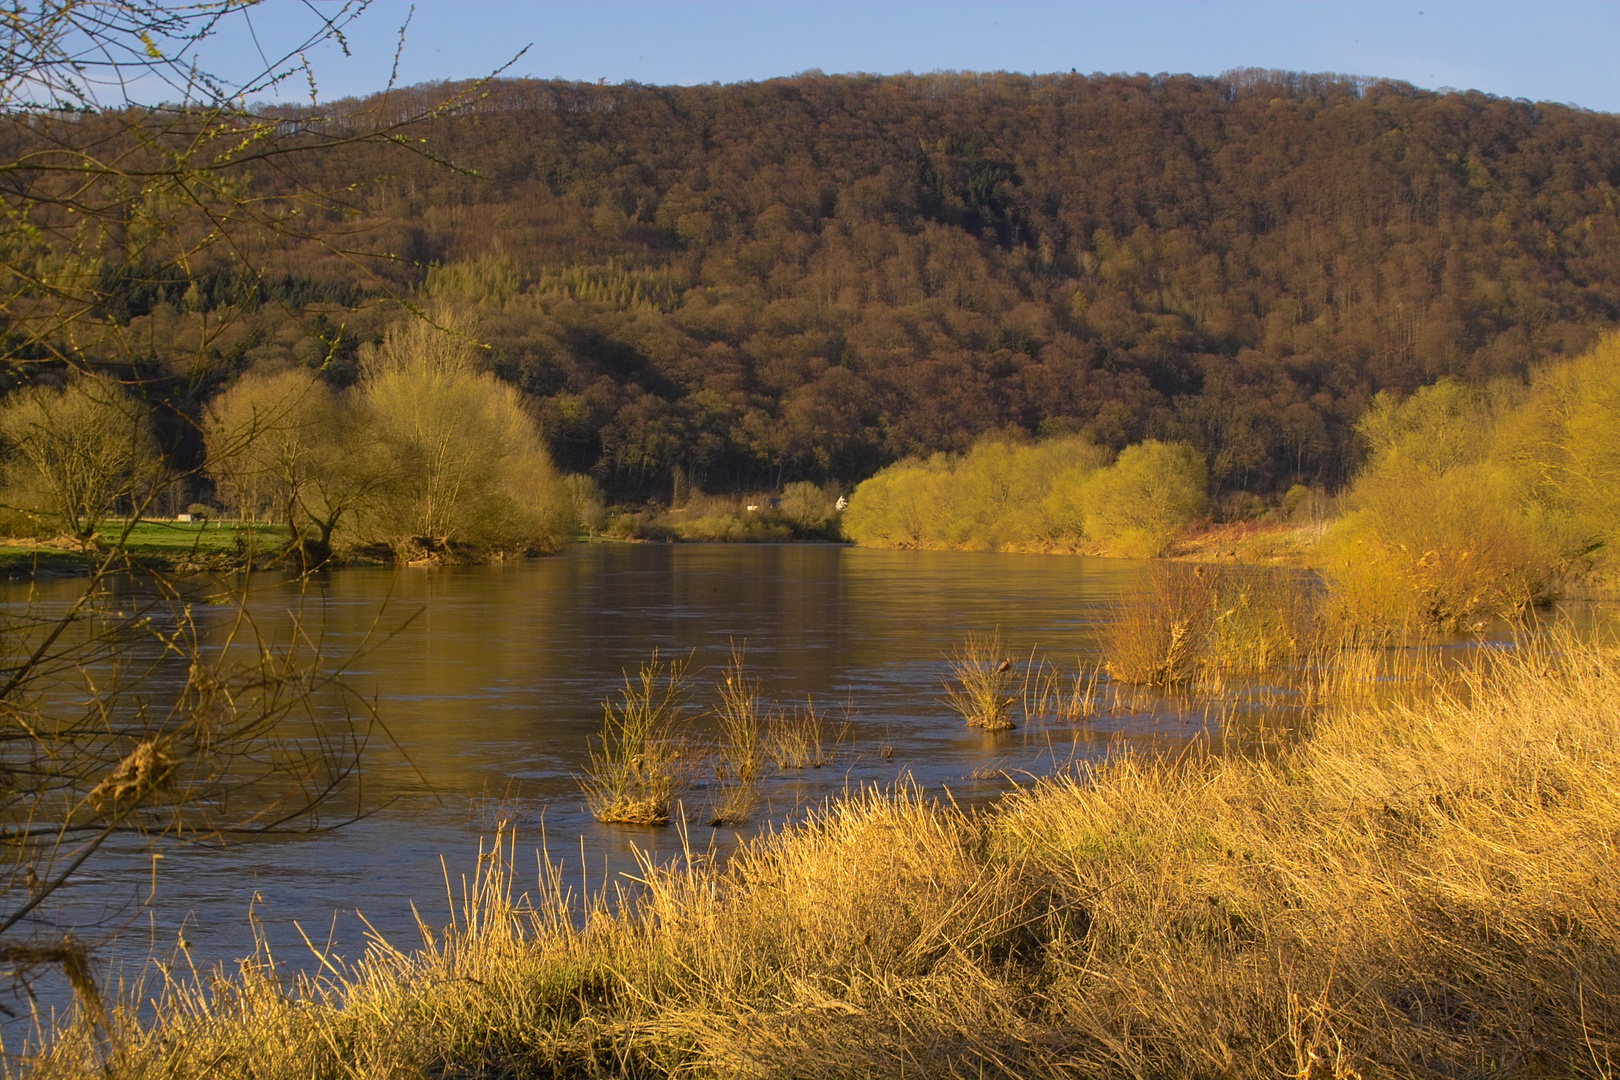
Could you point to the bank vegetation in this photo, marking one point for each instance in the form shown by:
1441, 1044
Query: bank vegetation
1408, 892
1472, 502
1062, 494
426, 458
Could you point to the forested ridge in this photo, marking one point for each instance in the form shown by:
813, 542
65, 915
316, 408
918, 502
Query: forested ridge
811, 277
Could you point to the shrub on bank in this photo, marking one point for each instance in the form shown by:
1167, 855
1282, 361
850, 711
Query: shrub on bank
286, 448
1476, 501
737, 526
803, 511
586, 502
1136, 506
807, 507
1056, 495
1563, 447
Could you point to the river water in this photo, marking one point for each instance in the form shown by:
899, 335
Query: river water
491, 680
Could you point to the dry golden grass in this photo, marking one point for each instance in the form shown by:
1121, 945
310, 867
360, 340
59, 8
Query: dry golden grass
980, 685
1409, 892
802, 737
1196, 624
642, 759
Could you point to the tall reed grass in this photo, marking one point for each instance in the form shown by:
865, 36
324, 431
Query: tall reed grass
802, 737
979, 686
1410, 892
649, 752
1053, 695
1183, 624
740, 748
641, 760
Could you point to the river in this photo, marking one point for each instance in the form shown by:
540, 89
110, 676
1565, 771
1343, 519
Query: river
490, 679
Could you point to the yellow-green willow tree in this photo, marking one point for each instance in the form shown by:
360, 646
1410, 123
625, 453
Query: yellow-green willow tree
465, 471
289, 448
1482, 501
75, 455
1060, 494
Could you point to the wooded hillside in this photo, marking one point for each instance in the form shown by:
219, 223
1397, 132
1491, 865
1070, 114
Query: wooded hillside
814, 276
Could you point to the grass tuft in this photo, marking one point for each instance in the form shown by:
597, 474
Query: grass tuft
979, 686
641, 760
740, 749
1052, 696
802, 738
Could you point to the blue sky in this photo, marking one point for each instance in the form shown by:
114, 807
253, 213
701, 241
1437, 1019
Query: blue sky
1548, 51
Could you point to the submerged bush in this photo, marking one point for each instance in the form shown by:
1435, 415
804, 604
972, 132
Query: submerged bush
979, 687
740, 750
638, 762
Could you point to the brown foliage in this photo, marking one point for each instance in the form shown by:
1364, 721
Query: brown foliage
812, 277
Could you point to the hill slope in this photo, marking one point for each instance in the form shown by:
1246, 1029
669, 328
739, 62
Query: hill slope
810, 277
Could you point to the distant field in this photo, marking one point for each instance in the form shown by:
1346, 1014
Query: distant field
213, 544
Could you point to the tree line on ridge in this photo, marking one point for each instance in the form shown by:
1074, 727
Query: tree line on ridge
811, 278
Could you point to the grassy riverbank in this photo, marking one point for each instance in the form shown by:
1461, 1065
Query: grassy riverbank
1409, 892
170, 546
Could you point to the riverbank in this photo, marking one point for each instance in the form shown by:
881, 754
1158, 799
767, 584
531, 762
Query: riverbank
166, 546
1261, 543
181, 547
189, 547
1410, 891
1254, 543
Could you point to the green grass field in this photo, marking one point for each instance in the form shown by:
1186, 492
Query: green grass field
167, 544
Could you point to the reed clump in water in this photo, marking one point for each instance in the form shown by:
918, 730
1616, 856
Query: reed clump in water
1408, 892
646, 755
641, 760
740, 749
1194, 624
980, 681
1051, 695
802, 737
